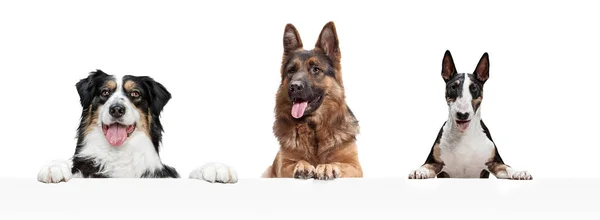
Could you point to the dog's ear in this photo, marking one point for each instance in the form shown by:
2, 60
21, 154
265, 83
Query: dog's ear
158, 95
482, 71
448, 67
85, 88
328, 41
291, 39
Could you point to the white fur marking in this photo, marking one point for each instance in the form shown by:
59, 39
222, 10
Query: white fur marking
421, 173
463, 104
465, 153
55, 172
130, 160
215, 172
119, 97
517, 175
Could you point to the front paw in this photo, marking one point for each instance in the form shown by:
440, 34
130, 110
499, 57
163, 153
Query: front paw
420, 173
327, 172
521, 175
215, 173
304, 170
55, 172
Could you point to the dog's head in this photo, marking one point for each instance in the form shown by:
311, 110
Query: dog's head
121, 106
311, 80
464, 91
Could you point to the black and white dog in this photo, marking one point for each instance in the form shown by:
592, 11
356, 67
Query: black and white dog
464, 147
120, 133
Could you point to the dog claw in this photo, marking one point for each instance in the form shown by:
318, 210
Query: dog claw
304, 170
327, 172
420, 173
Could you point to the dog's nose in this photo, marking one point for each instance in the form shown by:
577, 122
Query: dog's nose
462, 116
116, 110
296, 86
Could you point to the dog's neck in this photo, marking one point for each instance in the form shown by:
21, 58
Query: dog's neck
329, 130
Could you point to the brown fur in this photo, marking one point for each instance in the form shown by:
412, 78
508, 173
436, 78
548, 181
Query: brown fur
476, 102
322, 144
144, 124
145, 117
496, 167
129, 85
112, 85
90, 120
436, 166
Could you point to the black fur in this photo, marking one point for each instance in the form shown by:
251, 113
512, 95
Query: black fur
476, 90
454, 87
89, 90
155, 97
431, 159
303, 56
165, 172
497, 157
484, 174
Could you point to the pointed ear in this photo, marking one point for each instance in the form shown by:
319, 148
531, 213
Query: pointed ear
482, 71
328, 41
448, 67
291, 39
159, 96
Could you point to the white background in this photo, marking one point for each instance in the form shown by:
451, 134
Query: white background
221, 59
290, 199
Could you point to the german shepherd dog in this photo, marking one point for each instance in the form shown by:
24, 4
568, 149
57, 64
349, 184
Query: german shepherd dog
315, 128
464, 147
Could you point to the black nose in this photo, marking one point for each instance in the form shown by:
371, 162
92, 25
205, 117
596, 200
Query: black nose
462, 116
116, 110
296, 86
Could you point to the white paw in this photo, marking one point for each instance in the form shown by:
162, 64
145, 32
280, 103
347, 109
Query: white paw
521, 175
55, 172
215, 172
420, 173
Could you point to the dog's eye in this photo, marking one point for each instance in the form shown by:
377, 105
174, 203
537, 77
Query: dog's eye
291, 70
315, 70
134, 94
453, 87
104, 93
473, 88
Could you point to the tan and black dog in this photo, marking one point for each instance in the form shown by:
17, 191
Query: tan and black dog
464, 147
314, 126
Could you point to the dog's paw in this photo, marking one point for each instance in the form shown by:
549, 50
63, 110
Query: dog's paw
327, 172
521, 175
55, 172
215, 173
421, 173
304, 170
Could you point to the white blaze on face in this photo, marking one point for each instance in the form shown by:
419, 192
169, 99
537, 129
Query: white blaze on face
463, 104
116, 130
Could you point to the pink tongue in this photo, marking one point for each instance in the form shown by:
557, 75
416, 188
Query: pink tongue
463, 126
116, 134
298, 109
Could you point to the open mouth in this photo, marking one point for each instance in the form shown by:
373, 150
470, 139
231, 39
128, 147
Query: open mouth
463, 124
301, 106
116, 133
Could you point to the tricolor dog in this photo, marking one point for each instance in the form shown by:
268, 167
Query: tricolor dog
120, 133
464, 147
